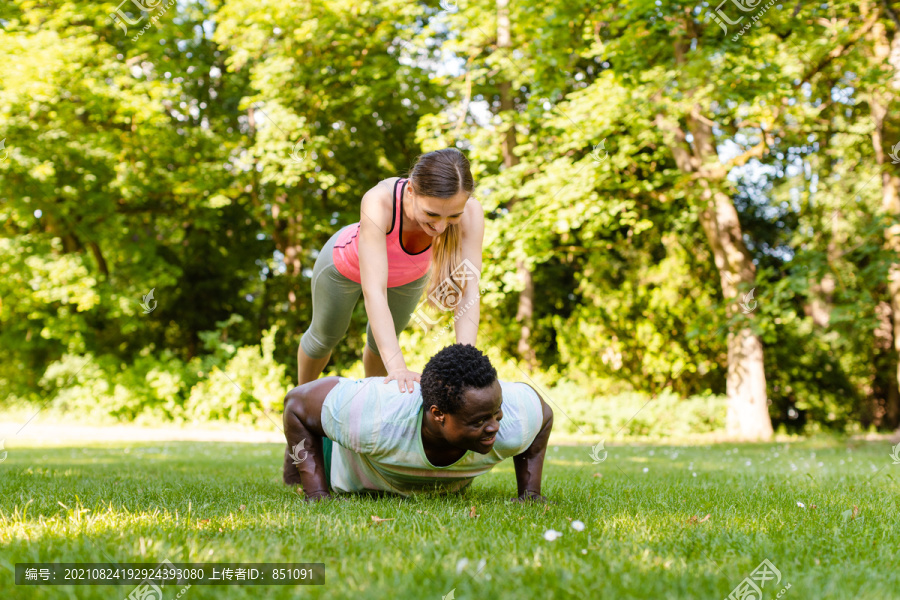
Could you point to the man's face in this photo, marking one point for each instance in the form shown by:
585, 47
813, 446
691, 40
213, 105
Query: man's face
475, 427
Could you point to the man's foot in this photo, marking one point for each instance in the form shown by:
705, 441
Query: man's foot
290, 474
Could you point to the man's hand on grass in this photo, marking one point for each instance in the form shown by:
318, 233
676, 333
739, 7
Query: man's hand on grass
317, 496
532, 497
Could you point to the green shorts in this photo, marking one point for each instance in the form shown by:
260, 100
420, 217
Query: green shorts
334, 298
326, 453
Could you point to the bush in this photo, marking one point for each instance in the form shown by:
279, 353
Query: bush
580, 414
249, 387
242, 385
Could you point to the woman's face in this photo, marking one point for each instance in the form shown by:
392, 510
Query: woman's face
435, 214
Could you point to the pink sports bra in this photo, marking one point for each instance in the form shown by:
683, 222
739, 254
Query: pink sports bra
403, 267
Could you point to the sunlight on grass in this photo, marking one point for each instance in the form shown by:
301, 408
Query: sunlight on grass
656, 521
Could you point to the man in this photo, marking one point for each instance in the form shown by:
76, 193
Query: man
457, 424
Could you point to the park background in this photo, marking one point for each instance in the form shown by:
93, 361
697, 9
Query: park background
678, 208
692, 239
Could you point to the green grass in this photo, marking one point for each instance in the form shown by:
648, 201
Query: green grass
147, 502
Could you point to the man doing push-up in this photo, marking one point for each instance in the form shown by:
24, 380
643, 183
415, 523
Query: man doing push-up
366, 436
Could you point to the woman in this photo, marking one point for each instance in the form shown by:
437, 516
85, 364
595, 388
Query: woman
408, 228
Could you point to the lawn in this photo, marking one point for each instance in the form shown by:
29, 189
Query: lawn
644, 511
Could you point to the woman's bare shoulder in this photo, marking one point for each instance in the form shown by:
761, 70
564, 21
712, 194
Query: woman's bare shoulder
384, 190
473, 215
377, 204
388, 183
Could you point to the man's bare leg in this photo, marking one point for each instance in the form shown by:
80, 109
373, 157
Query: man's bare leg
295, 432
308, 369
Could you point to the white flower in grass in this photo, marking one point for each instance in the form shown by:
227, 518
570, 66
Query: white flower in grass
577, 525
480, 566
462, 563
646, 469
551, 535
801, 505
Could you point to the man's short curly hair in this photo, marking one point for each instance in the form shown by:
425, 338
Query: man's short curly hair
450, 373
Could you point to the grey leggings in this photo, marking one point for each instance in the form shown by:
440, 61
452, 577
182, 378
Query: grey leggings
334, 296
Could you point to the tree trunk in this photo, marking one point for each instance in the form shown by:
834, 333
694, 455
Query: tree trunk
525, 312
884, 111
745, 382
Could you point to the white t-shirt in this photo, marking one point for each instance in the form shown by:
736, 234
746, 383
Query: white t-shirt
376, 430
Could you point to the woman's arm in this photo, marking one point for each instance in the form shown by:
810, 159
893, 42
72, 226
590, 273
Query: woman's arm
468, 311
374, 222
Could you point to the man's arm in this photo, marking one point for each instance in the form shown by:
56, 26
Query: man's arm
530, 464
303, 423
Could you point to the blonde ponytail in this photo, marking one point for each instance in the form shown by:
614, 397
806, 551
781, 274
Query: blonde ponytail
443, 174
447, 281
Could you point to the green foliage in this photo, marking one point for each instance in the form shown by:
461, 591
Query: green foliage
633, 414
209, 158
249, 387
237, 384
